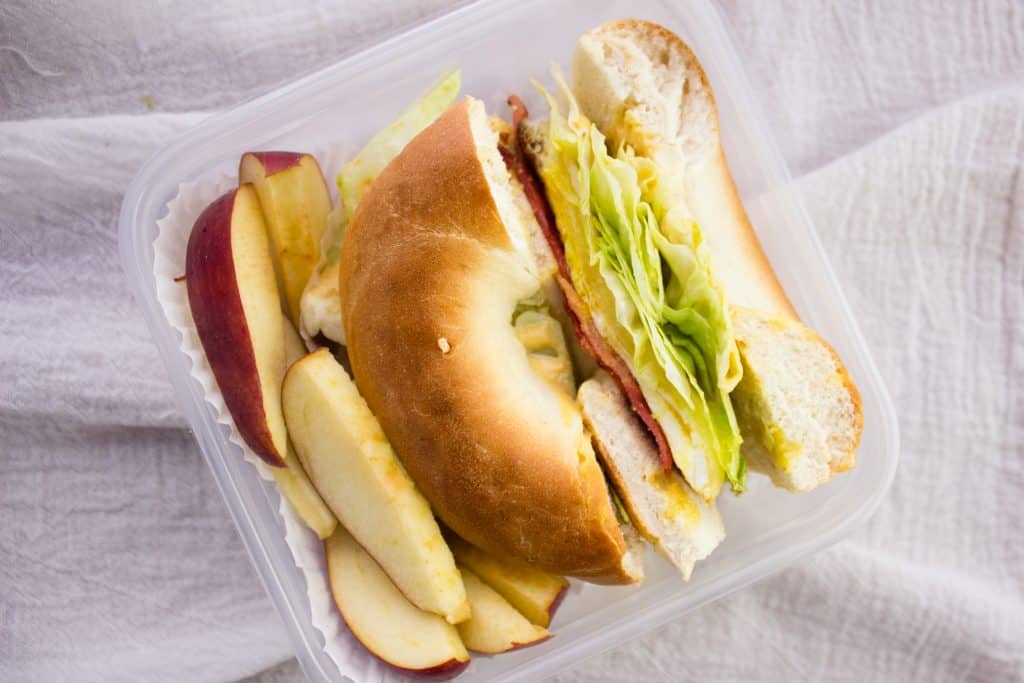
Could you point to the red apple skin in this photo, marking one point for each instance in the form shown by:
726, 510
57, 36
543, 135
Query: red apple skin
522, 646
440, 672
217, 310
277, 161
295, 227
557, 602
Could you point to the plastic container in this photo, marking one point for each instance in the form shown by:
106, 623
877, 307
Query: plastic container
500, 45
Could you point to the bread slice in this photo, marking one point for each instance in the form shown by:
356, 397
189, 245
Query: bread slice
661, 506
799, 411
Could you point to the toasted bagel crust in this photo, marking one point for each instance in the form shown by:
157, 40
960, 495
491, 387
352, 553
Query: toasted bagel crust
429, 279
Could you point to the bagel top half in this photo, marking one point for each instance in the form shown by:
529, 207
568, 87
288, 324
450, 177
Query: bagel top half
435, 260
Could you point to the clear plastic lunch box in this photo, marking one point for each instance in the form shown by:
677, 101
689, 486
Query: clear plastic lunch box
500, 45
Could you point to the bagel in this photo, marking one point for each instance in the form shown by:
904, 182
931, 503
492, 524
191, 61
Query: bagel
434, 263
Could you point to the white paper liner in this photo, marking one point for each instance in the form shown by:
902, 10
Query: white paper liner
169, 247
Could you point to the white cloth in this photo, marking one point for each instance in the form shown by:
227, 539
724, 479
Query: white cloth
117, 557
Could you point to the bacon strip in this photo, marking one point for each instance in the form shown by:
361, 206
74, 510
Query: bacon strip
583, 325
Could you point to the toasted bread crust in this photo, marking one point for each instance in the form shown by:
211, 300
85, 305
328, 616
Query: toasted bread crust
848, 459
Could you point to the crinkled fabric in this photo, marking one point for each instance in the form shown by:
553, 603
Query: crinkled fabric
904, 124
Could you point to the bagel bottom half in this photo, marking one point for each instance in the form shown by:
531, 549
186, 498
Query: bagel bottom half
433, 265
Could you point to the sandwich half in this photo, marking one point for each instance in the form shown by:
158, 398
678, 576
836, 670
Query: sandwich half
798, 410
662, 266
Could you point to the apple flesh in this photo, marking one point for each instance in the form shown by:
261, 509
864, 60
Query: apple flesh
296, 487
233, 294
295, 202
383, 620
350, 462
535, 593
294, 348
496, 626
292, 480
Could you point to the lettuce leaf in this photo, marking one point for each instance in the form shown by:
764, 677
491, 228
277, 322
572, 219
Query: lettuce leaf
637, 259
321, 307
357, 175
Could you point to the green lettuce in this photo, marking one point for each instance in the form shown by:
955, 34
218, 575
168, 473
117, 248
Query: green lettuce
637, 260
321, 305
355, 177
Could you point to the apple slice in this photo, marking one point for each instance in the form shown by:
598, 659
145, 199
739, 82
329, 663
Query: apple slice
379, 616
294, 485
292, 481
294, 348
533, 592
235, 303
496, 626
295, 201
350, 462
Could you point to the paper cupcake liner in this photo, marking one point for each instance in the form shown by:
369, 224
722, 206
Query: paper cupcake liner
169, 247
